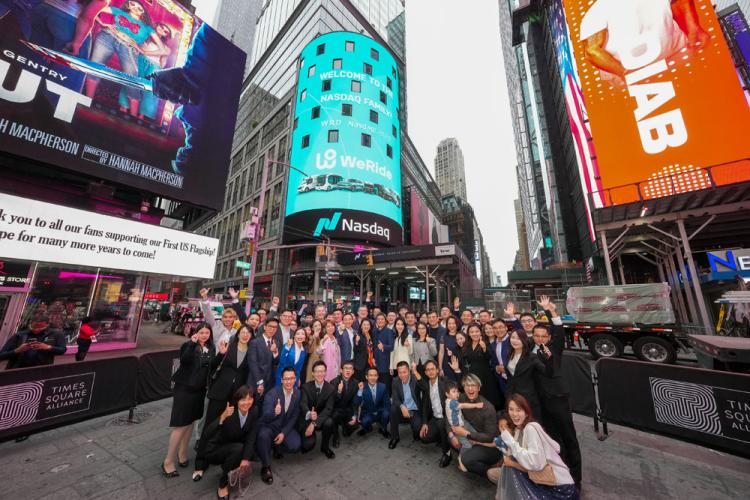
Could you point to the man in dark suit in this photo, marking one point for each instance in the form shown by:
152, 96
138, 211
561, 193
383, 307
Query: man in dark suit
405, 404
316, 411
263, 357
433, 410
345, 407
556, 413
500, 353
375, 406
278, 423
383, 340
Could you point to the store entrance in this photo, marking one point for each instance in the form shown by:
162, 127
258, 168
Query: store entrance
9, 311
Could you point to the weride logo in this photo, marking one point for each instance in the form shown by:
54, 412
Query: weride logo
326, 224
329, 160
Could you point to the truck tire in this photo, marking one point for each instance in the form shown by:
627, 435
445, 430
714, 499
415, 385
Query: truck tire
603, 345
655, 350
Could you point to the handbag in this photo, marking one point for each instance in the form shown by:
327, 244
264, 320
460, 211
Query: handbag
545, 476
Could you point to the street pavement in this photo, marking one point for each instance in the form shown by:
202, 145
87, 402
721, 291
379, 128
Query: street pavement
109, 458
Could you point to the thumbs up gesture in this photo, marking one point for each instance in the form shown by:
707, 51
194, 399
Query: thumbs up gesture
341, 387
228, 412
274, 349
277, 410
313, 414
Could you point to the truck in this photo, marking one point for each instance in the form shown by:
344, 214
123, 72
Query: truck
608, 318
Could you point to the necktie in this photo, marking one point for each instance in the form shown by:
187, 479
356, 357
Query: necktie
269, 343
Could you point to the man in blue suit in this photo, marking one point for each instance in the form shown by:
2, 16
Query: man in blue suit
375, 405
278, 423
500, 353
263, 358
383, 340
346, 338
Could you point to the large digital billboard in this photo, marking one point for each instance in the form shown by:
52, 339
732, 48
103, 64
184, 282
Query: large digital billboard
426, 228
346, 149
662, 95
138, 92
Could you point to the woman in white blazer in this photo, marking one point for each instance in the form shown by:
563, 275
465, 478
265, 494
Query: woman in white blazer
527, 448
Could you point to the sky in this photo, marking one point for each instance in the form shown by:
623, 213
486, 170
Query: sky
456, 88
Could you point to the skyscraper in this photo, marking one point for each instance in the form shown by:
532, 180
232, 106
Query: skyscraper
449, 169
236, 20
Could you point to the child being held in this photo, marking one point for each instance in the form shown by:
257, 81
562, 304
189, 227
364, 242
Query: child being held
454, 415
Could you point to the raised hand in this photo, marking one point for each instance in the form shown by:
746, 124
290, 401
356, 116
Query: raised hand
194, 338
483, 345
233, 293
204, 293
456, 302
275, 302
290, 342
223, 347
510, 310
341, 387
361, 385
277, 409
228, 412
454, 364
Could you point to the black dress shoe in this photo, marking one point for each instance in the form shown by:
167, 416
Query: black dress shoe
335, 441
266, 475
385, 433
328, 453
393, 443
445, 460
363, 431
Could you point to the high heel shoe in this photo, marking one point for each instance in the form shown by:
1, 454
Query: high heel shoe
183, 464
164, 472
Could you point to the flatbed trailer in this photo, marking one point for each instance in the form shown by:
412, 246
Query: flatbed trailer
656, 344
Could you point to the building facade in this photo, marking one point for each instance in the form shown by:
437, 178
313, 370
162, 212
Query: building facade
236, 20
449, 168
263, 131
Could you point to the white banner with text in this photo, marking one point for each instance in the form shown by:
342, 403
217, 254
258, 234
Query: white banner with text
33, 230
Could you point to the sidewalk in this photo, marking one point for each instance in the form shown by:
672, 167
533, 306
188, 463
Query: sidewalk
107, 458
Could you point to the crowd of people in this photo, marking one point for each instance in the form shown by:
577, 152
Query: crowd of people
486, 390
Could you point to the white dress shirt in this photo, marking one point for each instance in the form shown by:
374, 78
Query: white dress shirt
437, 408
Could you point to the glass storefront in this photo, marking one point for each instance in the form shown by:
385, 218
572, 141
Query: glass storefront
113, 299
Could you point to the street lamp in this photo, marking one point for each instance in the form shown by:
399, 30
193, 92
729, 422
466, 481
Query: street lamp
253, 249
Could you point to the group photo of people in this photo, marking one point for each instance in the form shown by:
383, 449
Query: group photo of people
485, 394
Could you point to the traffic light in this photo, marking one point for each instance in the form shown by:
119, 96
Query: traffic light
370, 260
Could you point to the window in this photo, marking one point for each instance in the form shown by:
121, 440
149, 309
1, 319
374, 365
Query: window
393, 71
356, 86
367, 69
393, 131
321, 49
366, 140
311, 71
316, 112
326, 85
337, 64
383, 97
302, 95
389, 151
349, 46
333, 136
305, 141
346, 109
296, 122
389, 83
374, 54
373, 116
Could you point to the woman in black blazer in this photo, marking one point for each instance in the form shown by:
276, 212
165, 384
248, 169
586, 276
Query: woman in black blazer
363, 350
229, 440
524, 370
190, 381
230, 371
476, 358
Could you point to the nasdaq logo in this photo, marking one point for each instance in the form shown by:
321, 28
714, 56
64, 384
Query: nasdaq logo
327, 224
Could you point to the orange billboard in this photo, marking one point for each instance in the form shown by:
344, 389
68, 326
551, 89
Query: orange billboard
667, 110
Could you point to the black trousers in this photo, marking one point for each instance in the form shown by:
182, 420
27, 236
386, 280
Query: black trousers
341, 418
214, 410
414, 420
437, 433
478, 459
228, 455
558, 422
327, 428
83, 348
